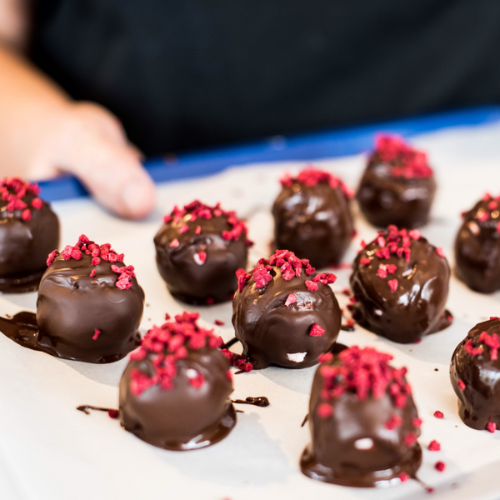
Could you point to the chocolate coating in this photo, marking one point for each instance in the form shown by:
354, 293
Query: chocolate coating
188, 278
477, 248
182, 418
479, 401
313, 221
275, 334
71, 306
416, 308
397, 187
25, 244
353, 446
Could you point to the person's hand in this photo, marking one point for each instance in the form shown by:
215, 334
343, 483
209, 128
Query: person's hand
89, 142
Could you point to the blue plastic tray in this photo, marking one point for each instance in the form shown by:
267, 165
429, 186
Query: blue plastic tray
327, 144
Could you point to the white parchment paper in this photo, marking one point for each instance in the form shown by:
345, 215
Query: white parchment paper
50, 451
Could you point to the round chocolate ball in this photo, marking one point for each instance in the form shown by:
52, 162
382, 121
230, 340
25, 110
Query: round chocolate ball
477, 246
312, 217
284, 313
174, 393
198, 250
363, 422
474, 374
397, 186
400, 286
89, 305
29, 230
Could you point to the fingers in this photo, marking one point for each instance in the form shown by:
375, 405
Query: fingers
97, 152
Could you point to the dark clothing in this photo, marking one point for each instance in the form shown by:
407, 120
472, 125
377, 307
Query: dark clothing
190, 73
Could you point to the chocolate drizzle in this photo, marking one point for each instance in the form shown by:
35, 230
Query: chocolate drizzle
199, 265
312, 217
407, 303
392, 193
474, 374
477, 247
260, 401
87, 409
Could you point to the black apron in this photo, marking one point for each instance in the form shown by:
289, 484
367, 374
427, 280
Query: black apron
191, 73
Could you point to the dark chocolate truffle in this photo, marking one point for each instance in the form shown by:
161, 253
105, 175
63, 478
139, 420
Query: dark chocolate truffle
397, 186
477, 246
174, 393
363, 421
89, 305
284, 313
475, 372
400, 286
29, 230
198, 250
312, 217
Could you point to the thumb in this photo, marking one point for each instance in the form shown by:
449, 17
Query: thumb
113, 174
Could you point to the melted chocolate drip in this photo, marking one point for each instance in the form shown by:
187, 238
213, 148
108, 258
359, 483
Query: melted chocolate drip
416, 308
275, 334
230, 343
347, 328
189, 280
306, 419
353, 447
23, 329
183, 417
314, 222
261, 401
479, 402
88, 408
477, 249
24, 246
385, 199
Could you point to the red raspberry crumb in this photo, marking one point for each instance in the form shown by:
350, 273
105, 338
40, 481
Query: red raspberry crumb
174, 243
210, 300
324, 410
417, 422
492, 427
461, 384
403, 476
323, 358
414, 234
92, 273
291, 299
312, 287
365, 261
346, 292
440, 251
218, 322
316, 331
52, 256
114, 414
200, 258
440, 466
393, 285
434, 446
438, 414
410, 439
197, 230
184, 229
96, 334
26, 215
393, 422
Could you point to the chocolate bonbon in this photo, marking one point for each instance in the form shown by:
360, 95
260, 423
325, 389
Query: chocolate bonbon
175, 391
312, 217
400, 286
198, 250
477, 246
363, 422
284, 313
398, 185
29, 230
474, 373
89, 306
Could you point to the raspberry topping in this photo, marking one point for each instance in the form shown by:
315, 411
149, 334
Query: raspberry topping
364, 372
406, 161
492, 341
492, 427
289, 265
434, 446
20, 195
187, 216
237, 360
438, 414
97, 252
164, 346
311, 176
